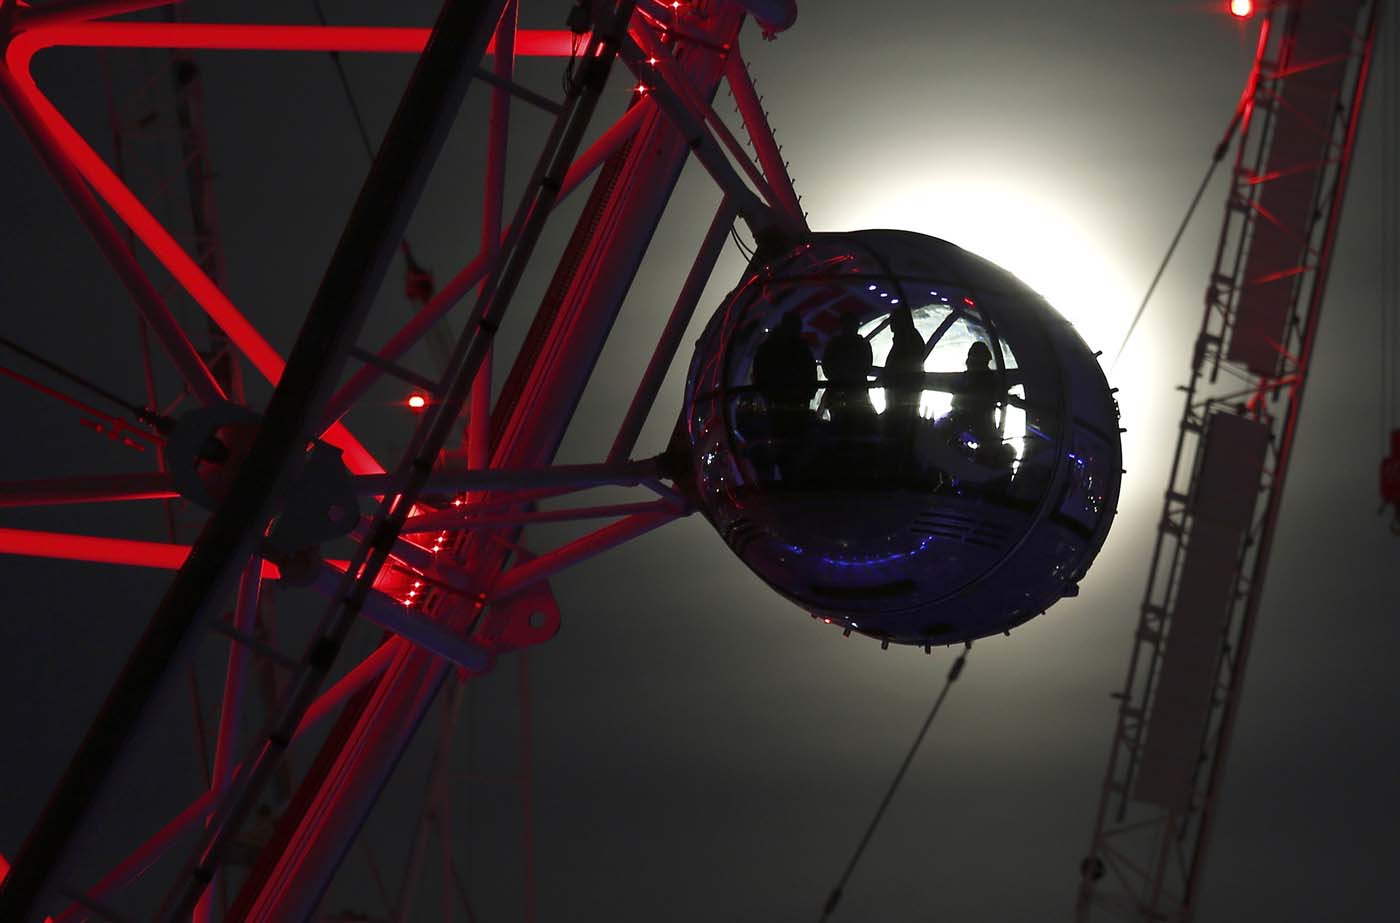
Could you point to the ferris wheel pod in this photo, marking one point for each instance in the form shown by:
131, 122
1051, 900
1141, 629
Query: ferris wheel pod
902, 438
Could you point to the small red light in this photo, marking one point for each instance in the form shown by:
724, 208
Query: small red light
417, 401
1242, 9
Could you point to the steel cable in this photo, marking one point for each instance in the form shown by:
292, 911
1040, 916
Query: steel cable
146, 415
1216, 157
357, 114
413, 272
345, 86
954, 672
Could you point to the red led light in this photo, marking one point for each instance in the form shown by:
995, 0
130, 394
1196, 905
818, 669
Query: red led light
67, 546
417, 401
1242, 9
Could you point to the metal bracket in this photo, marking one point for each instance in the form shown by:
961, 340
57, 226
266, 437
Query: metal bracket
528, 617
206, 449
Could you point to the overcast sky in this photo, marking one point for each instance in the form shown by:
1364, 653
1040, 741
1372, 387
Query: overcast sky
702, 749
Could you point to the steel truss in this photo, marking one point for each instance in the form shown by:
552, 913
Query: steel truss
1301, 111
452, 604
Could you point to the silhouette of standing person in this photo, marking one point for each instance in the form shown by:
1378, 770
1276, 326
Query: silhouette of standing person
847, 362
785, 374
904, 384
975, 403
975, 408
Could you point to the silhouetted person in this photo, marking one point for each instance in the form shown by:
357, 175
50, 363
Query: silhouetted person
904, 383
975, 402
785, 373
975, 407
847, 363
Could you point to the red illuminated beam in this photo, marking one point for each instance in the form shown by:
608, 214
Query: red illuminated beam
102, 489
594, 543
93, 549
197, 36
67, 11
464, 519
66, 546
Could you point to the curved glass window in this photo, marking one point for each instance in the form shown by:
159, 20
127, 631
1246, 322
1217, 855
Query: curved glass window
840, 381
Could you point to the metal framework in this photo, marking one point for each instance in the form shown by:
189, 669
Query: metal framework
1263, 304
451, 604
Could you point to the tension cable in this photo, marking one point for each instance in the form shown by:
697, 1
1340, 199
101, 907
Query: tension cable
744, 249
953, 673
415, 275
1215, 158
345, 86
161, 422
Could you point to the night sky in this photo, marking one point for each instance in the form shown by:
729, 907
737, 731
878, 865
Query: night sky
702, 750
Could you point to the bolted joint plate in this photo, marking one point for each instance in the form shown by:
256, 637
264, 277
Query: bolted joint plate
527, 617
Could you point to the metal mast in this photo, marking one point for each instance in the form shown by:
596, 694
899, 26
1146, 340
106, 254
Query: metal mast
1262, 306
